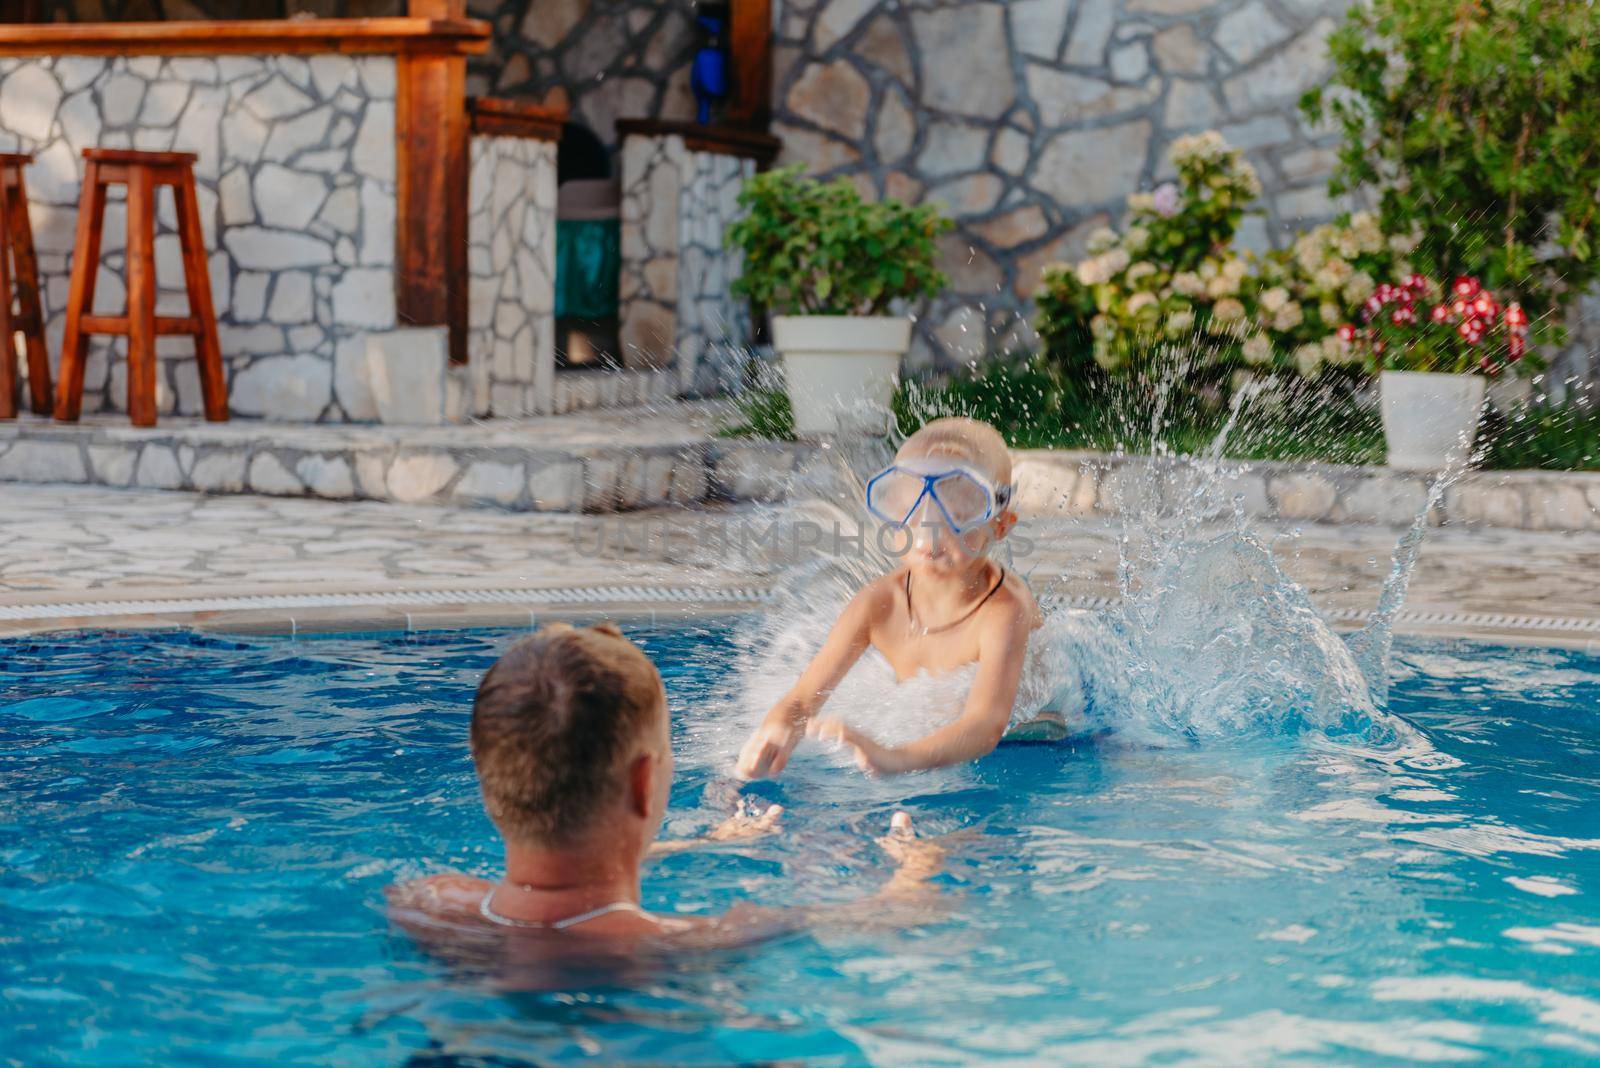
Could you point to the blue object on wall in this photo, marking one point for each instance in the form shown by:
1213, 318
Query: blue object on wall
708, 76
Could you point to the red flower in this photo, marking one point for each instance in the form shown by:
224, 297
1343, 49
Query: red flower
1416, 283
1347, 333
1402, 315
1485, 306
1377, 348
1441, 313
1384, 293
1458, 307
1515, 316
1465, 287
1516, 346
1471, 329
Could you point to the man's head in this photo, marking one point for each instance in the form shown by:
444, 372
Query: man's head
966, 443
570, 735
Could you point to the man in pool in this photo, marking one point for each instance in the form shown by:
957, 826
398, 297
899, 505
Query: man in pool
949, 606
570, 739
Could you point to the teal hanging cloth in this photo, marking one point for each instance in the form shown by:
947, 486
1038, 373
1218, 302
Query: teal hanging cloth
588, 252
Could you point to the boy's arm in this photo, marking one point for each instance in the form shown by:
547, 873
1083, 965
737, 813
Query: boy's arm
903, 901
1002, 649
751, 821
767, 751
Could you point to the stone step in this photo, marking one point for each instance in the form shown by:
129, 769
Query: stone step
603, 461
584, 390
632, 458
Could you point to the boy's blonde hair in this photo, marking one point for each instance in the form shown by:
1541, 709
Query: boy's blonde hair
974, 442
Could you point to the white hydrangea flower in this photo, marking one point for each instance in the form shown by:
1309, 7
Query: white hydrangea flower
1140, 301
1288, 317
1405, 244
1180, 322
1116, 261
1188, 283
1141, 270
1274, 298
1257, 350
1358, 288
1223, 285
1308, 360
1248, 180
1101, 240
1228, 310
1136, 239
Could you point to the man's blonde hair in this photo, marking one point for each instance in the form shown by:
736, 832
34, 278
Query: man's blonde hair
976, 443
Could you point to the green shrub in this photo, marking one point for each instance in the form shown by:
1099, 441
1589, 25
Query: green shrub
818, 248
1478, 125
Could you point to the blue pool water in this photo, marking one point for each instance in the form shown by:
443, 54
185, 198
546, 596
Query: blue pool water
195, 831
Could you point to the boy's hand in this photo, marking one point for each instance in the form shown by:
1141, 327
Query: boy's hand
750, 821
918, 858
767, 752
872, 758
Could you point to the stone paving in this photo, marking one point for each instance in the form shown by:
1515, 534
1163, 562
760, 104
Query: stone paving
96, 549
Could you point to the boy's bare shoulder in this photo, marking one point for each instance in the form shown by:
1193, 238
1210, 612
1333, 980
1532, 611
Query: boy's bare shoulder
878, 598
1013, 605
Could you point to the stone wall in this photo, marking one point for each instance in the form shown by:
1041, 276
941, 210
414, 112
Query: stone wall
295, 179
609, 60
1034, 119
675, 271
511, 266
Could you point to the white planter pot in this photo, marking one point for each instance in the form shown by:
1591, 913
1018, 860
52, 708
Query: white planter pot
1429, 419
841, 369
1508, 392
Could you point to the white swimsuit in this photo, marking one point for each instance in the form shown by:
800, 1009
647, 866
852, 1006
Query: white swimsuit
871, 698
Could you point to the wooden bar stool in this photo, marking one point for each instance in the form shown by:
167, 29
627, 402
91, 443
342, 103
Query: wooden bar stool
142, 173
19, 276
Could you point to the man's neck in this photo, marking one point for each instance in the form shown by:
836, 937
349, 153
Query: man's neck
546, 884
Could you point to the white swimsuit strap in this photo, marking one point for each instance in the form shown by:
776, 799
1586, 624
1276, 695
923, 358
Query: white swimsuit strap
487, 912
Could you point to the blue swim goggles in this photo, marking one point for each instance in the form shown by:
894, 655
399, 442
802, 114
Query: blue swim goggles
965, 498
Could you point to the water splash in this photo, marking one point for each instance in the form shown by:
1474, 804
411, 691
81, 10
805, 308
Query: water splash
1209, 637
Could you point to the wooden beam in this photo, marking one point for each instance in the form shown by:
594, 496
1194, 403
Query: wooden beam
442, 35
750, 47
721, 140
495, 116
432, 167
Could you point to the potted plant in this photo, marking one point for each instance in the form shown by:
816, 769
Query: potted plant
831, 266
1435, 351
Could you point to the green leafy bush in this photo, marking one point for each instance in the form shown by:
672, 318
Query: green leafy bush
1478, 125
818, 248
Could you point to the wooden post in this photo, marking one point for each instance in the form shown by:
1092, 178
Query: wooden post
431, 161
750, 44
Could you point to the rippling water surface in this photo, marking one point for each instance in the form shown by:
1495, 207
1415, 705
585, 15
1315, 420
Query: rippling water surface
194, 834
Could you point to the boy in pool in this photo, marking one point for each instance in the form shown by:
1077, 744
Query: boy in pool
570, 739
946, 607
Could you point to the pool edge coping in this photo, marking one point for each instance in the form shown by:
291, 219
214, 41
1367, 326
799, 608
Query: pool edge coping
386, 610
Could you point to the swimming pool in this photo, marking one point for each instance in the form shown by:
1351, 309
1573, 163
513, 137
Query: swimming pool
194, 834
